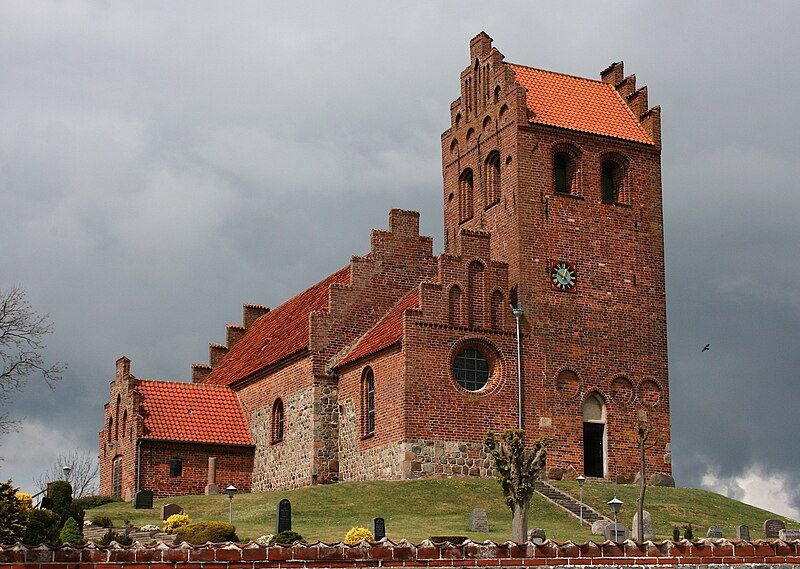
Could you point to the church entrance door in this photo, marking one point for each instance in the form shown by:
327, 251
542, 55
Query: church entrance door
593, 449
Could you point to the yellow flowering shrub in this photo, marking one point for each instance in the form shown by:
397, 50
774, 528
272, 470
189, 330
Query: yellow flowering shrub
175, 522
25, 499
357, 534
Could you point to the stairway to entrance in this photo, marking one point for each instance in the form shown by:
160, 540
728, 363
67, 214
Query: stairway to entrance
568, 503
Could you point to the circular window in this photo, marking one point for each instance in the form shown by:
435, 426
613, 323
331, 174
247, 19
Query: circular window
471, 369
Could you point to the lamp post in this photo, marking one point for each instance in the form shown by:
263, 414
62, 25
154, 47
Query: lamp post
66, 470
581, 481
517, 312
615, 504
230, 490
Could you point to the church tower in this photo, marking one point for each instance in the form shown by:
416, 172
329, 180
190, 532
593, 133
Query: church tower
565, 174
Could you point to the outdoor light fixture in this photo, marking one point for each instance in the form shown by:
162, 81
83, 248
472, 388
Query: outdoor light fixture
581, 481
517, 312
66, 470
616, 505
231, 491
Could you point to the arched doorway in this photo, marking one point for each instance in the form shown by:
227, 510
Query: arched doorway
594, 436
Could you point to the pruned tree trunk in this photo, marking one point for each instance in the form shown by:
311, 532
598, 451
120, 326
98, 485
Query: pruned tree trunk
519, 523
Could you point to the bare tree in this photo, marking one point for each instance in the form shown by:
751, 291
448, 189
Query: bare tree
22, 346
84, 470
517, 471
646, 439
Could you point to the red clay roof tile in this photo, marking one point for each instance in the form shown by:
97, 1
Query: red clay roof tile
388, 330
577, 103
192, 412
276, 335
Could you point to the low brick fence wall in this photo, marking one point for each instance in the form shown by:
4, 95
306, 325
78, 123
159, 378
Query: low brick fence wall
703, 554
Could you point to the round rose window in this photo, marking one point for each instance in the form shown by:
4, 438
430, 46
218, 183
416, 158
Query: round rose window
471, 369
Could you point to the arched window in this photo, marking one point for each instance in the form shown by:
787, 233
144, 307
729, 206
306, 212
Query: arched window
110, 423
458, 120
612, 179
277, 421
493, 178
455, 310
475, 294
116, 419
116, 477
564, 171
124, 422
497, 94
466, 186
367, 402
594, 436
497, 312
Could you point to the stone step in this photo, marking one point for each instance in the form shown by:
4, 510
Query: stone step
568, 503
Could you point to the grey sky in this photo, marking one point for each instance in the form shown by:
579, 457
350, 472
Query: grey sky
161, 164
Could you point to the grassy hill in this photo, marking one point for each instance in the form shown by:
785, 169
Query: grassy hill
418, 509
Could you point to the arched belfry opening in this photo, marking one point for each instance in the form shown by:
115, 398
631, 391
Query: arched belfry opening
594, 436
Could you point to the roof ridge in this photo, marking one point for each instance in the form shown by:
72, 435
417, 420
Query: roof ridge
559, 73
179, 382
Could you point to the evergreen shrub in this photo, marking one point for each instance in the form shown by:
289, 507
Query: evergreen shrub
288, 536
202, 532
71, 533
13, 515
44, 526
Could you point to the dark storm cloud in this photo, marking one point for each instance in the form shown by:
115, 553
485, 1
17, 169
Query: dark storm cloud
162, 165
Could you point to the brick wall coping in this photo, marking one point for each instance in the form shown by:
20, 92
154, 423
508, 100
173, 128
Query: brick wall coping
404, 553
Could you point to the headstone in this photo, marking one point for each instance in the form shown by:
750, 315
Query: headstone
47, 503
789, 534
622, 479
478, 520
211, 487
284, 516
599, 527
537, 536
773, 527
743, 533
143, 500
616, 532
168, 510
570, 474
555, 473
661, 479
647, 526
378, 528
714, 532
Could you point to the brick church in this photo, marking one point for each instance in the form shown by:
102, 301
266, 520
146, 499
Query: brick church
396, 365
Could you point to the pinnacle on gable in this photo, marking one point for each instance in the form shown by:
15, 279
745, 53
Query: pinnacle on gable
215, 353
123, 367
251, 313
200, 372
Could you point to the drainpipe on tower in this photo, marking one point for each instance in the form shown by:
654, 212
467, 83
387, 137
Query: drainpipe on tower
517, 312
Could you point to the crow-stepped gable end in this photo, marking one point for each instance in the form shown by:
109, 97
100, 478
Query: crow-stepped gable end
396, 365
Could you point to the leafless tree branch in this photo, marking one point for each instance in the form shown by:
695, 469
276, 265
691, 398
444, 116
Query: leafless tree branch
84, 470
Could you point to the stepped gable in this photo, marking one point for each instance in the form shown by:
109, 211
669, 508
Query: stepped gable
190, 412
387, 332
277, 334
581, 104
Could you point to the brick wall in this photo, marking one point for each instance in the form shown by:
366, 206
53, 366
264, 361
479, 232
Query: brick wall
234, 466
681, 555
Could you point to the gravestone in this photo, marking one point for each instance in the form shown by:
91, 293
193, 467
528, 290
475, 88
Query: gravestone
648, 526
555, 473
571, 474
284, 516
773, 527
168, 510
599, 527
616, 532
743, 533
714, 532
478, 520
537, 536
378, 528
789, 534
143, 500
622, 479
47, 503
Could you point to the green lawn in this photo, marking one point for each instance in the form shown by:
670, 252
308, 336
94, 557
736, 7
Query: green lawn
415, 510
701, 508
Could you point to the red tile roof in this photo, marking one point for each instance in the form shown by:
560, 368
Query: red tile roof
192, 412
578, 104
276, 335
388, 330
